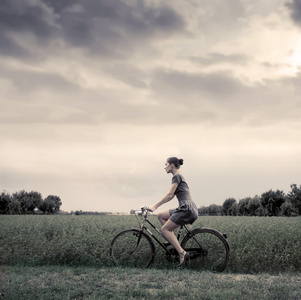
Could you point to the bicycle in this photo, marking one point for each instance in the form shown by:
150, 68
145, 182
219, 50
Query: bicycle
208, 248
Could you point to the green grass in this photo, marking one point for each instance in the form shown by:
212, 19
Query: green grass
61, 282
258, 244
67, 257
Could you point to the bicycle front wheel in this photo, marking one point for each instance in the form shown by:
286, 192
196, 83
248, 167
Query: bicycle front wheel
208, 249
132, 248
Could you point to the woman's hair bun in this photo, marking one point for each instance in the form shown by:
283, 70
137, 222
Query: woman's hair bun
177, 162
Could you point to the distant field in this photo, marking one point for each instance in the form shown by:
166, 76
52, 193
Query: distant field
258, 244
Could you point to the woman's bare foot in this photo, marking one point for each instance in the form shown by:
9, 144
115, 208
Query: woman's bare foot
184, 257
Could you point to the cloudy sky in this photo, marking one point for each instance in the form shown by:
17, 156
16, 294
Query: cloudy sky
96, 94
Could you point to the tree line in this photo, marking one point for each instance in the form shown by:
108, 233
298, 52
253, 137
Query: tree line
28, 203
270, 203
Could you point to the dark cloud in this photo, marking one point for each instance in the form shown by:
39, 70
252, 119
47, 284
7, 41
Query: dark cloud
10, 47
108, 27
295, 7
59, 5
19, 17
115, 28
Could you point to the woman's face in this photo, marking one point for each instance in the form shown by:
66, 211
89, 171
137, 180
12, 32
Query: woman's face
168, 167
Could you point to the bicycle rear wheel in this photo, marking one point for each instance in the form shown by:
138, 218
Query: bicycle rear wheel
132, 248
208, 248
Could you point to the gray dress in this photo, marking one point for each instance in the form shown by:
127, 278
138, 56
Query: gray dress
187, 211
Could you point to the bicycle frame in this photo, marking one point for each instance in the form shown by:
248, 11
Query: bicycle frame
194, 252
150, 233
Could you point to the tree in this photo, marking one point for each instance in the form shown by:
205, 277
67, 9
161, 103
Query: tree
242, 208
272, 201
233, 210
4, 202
51, 205
18, 202
287, 208
253, 206
215, 210
227, 205
203, 211
295, 197
34, 200
27, 201
14, 207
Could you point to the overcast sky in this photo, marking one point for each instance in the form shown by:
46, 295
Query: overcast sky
96, 94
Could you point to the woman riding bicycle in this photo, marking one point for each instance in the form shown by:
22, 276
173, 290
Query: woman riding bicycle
186, 213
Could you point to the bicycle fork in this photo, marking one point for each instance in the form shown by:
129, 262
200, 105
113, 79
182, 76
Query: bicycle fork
138, 241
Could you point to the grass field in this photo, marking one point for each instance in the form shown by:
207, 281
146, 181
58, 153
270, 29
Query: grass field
65, 282
257, 244
67, 257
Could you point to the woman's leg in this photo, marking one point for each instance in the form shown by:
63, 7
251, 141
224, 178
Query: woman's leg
163, 216
167, 231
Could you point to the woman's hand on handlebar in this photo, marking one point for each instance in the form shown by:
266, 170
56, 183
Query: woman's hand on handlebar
152, 208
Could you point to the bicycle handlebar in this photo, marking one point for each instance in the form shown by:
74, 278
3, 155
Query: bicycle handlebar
144, 210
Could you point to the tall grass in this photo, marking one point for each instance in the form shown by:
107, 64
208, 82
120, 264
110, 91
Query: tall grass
257, 244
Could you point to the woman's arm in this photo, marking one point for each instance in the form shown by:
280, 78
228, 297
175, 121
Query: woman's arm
166, 198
